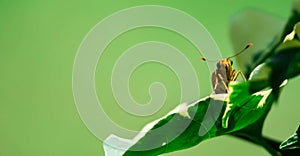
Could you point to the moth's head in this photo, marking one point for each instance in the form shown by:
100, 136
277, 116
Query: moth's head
225, 63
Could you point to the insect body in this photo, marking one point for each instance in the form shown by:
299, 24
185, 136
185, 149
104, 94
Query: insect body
225, 73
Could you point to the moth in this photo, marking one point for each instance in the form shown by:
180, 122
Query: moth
225, 73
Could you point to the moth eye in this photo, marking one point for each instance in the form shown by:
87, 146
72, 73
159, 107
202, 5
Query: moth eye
231, 62
218, 65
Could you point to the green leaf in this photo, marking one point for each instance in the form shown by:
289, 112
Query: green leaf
257, 27
292, 142
244, 108
264, 34
180, 130
289, 26
190, 125
284, 64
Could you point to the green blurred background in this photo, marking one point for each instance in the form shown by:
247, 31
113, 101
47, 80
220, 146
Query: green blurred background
38, 44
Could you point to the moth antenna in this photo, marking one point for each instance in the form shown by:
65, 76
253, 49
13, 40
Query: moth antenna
247, 46
204, 59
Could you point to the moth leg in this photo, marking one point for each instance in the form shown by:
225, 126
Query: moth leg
222, 80
239, 73
214, 80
